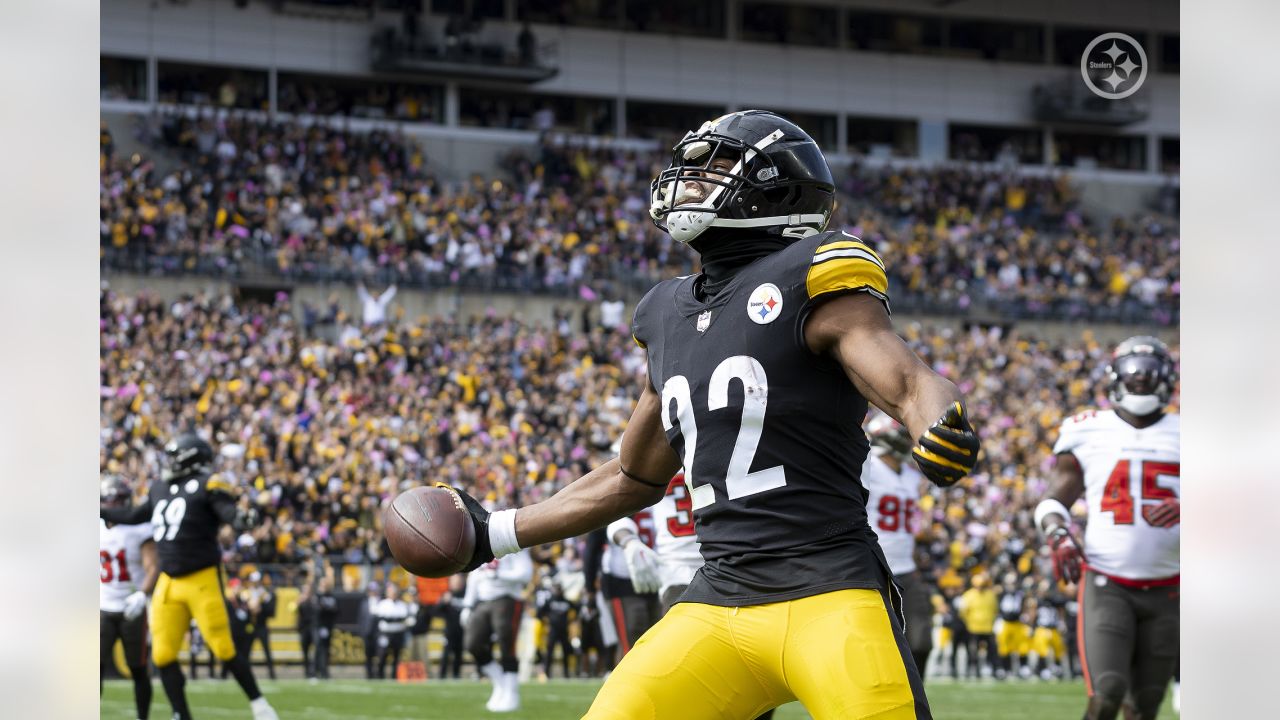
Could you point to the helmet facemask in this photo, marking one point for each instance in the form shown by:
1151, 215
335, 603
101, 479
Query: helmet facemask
671, 205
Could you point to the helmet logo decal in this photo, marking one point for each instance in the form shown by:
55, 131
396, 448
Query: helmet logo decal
767, 173
765, 304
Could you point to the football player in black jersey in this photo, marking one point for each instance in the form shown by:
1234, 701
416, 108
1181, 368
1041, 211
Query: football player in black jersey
761, 368
185, 509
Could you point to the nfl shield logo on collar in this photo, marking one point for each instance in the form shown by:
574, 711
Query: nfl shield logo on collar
704, 321
765, 304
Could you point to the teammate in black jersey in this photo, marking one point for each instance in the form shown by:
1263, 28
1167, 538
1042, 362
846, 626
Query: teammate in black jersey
185, 509
760, 372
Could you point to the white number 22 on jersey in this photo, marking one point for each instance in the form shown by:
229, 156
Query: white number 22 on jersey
738, 481
167, 518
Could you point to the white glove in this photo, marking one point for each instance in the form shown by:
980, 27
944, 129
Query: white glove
642, 563
464, 616
135, 605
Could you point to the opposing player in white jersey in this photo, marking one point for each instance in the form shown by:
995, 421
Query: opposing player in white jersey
1125, 462
493, 605
628, 604
893, 499
127, 555
668, 561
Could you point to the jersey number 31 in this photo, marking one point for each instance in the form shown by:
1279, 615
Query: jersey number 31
738, 481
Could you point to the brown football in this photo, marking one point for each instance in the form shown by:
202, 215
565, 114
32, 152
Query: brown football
429, 531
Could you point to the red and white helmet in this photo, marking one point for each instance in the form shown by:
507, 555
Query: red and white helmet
887, 435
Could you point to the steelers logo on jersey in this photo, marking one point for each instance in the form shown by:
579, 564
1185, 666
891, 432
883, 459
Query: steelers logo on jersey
765, 304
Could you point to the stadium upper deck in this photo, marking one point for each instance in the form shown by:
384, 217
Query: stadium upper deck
931, 81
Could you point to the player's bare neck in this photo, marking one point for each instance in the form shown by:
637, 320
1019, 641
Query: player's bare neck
1140, 421
892, 462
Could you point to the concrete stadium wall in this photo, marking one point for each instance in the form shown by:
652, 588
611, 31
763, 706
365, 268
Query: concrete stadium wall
653, 66
538, 309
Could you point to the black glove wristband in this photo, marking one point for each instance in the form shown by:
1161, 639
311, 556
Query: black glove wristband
483, 552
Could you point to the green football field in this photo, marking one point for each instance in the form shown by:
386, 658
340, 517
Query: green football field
454, 700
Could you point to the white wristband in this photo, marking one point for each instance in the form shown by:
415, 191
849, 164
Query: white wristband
502, 533
1050, 506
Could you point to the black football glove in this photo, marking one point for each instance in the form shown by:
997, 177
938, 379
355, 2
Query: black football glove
480, 520
948, 450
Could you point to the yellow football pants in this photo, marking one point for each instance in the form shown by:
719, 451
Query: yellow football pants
1014, 637
838, 653
176, 601
1047, 639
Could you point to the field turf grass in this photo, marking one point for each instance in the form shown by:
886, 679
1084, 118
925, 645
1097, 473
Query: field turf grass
559, 699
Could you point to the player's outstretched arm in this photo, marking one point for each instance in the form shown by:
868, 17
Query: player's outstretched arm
631, 482
1066, 485
150, 566
222, 498
634, 480
132, 515
1054, 519
136, 603
855, 330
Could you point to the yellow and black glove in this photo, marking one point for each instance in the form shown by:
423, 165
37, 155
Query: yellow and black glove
948, 450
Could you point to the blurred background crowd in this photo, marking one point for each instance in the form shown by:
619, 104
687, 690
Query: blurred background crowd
362, 245
321, 423
311, 202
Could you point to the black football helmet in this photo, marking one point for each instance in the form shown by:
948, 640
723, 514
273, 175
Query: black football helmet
186, 455
114, 491
1141, 375
779, 183
889, 435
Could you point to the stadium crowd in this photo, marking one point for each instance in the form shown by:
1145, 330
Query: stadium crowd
321, 420
315, 202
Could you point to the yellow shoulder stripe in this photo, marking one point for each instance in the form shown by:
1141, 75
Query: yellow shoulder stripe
845, 273
633, 337
215, 483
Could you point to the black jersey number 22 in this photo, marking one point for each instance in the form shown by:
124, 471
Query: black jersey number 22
738, 481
